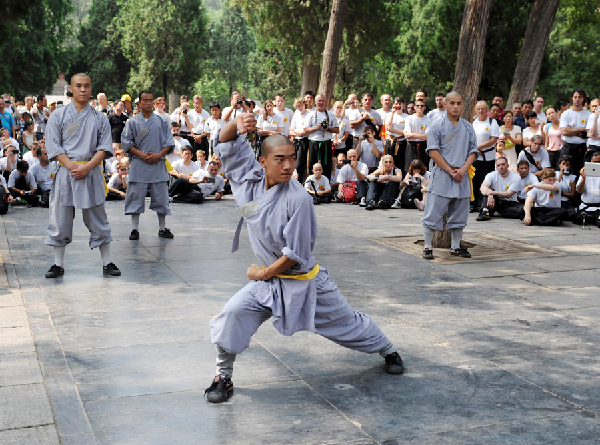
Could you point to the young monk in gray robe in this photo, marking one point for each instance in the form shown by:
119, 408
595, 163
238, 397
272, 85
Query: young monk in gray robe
147, 139
288, 284
78, 137
452, 146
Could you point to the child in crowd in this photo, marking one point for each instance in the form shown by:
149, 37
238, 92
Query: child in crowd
117, 186
28, 136
567, 181
318, 185
201, 162
31, 156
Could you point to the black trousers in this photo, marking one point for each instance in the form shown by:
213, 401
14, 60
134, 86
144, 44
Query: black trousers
321, 152
554, 156
113, 196
506, 209
482, 168
547, 216
21, 184
181, 186
203, 145
383, 191
301, 146
416, 150
397, 149
577, 153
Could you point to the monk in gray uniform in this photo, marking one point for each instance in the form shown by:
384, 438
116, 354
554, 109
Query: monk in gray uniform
452, 146
147, 140
287, 285
78, 137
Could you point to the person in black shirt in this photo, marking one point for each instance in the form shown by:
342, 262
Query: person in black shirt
117, 122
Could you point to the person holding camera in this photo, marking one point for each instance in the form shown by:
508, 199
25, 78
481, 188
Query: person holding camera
9, 162
320, 126
370, 149
384, 184
353, 172
361, 117
236, 108
195, 120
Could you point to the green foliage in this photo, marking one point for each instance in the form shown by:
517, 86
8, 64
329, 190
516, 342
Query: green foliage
31, 45
164, 40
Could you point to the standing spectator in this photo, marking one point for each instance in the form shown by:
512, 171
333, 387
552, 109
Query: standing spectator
410, 108
487, 133
235, 108
533, 128
384, 112
117, 122
415, 129
370, 149
561, 106
536, 156
353, 115
300, 138
284, 114
320, 126
552, 136
103, 106
495, 114
159, 108
499, 100
127, 108
28, 136
368, 116
511, 134
395, 143
422, 95
7, 119
213, 124
517, 110
440, 109
198, 118
572, 126
538, 104
309, 97
339, 139
268, 123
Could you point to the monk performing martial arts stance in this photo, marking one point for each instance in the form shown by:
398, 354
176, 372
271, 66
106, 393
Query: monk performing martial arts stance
288, 285
452, 145
78, 137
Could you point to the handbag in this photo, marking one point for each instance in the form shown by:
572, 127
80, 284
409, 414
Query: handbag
349, 191
407, 199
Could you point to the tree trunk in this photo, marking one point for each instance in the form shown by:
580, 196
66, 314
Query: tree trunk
442, 239
164, 85
173, 102
532, 52
331, 53
310, 76
471, 48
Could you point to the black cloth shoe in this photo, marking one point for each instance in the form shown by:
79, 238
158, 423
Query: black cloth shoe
483, 216
428, 254
219, 390
111, 269
371, 205
166, 233
393, 364
460, 252
55, 271
383, 205
134, 235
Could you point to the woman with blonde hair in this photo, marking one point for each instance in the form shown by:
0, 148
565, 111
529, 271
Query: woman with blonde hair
300, 138
268, 123
384, 184
487, 132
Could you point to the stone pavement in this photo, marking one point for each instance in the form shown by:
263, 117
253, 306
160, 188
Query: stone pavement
502, 351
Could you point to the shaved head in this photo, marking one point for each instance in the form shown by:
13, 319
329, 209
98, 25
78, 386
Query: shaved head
454, 94
270, 142
80, 75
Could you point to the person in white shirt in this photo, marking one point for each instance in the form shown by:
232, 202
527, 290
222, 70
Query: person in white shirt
395, 143
31, 155
536, 156
202, 162
204, 181
526, 178
300, 138
117, 186
487, 132
589, 188
385, 110
9, 162
415, 131
5, 197
567, 182
573, 123
318, 186
159, 108
213, 124
268, 122
44, 172
499, 190
440, 110
370, 149
21, 184
340, 139
236, 108
197, 118
384, 184
538, 104
285, 115
333, 181
320, 126
546, 197
365, 116
356, 172
180, 142
533, 128
184, 167
309, 97
593, 130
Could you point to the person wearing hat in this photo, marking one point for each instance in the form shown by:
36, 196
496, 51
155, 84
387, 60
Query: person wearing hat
78, 138
126, 99
21, 184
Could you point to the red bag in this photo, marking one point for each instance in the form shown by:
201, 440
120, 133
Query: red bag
349, 191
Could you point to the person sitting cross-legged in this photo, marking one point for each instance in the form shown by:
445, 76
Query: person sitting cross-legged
589, 188
183, 169
117, 186
202, 184
318, 185
384, 184
546, 197
499, 190
21, 184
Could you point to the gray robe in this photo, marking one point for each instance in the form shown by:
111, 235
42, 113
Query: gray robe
79, 136
149, 137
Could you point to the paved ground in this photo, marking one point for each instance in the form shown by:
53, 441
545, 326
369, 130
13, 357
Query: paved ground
496, 351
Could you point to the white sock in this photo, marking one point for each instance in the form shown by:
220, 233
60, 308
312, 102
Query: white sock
105, 252
162, 221
59, 255
428, 238
390, 348
456, 237
135, 221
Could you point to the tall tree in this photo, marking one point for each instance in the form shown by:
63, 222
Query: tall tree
331, 53
532, 52
164, 41
471, 48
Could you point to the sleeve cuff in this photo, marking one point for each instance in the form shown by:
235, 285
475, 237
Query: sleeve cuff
292, 256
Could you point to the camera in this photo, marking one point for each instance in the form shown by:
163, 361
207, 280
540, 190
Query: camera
210, 180
241, 102
324, 124
185, 111
15, 151
176, 135
346, 161
567, 171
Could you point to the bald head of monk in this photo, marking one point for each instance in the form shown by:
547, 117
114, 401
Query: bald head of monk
81, 87
454, 105
278, 158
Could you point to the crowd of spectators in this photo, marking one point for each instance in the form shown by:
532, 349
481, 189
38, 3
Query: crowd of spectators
531, 162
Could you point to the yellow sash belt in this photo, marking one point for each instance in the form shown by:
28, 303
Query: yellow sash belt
103, 179
305, 276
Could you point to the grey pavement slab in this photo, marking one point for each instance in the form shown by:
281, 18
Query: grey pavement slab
567, 279
24, 406
37, 435
20, 369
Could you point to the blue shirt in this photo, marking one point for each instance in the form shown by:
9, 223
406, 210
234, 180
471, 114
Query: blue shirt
7, 121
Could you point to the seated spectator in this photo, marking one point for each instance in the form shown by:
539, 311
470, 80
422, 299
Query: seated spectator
180, 142
117, 186
28, 136
566, 180
201, 162
318, 185
589, 188
384, 184
221, 172
110, 165
499, 190
31, 156
44, 172
200, 186
536, 156
525, 179
5, 136
9, 162
542, 206
5, 197
21, 184
413, 187
370, 149
341, 161
353, 175
184, 167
